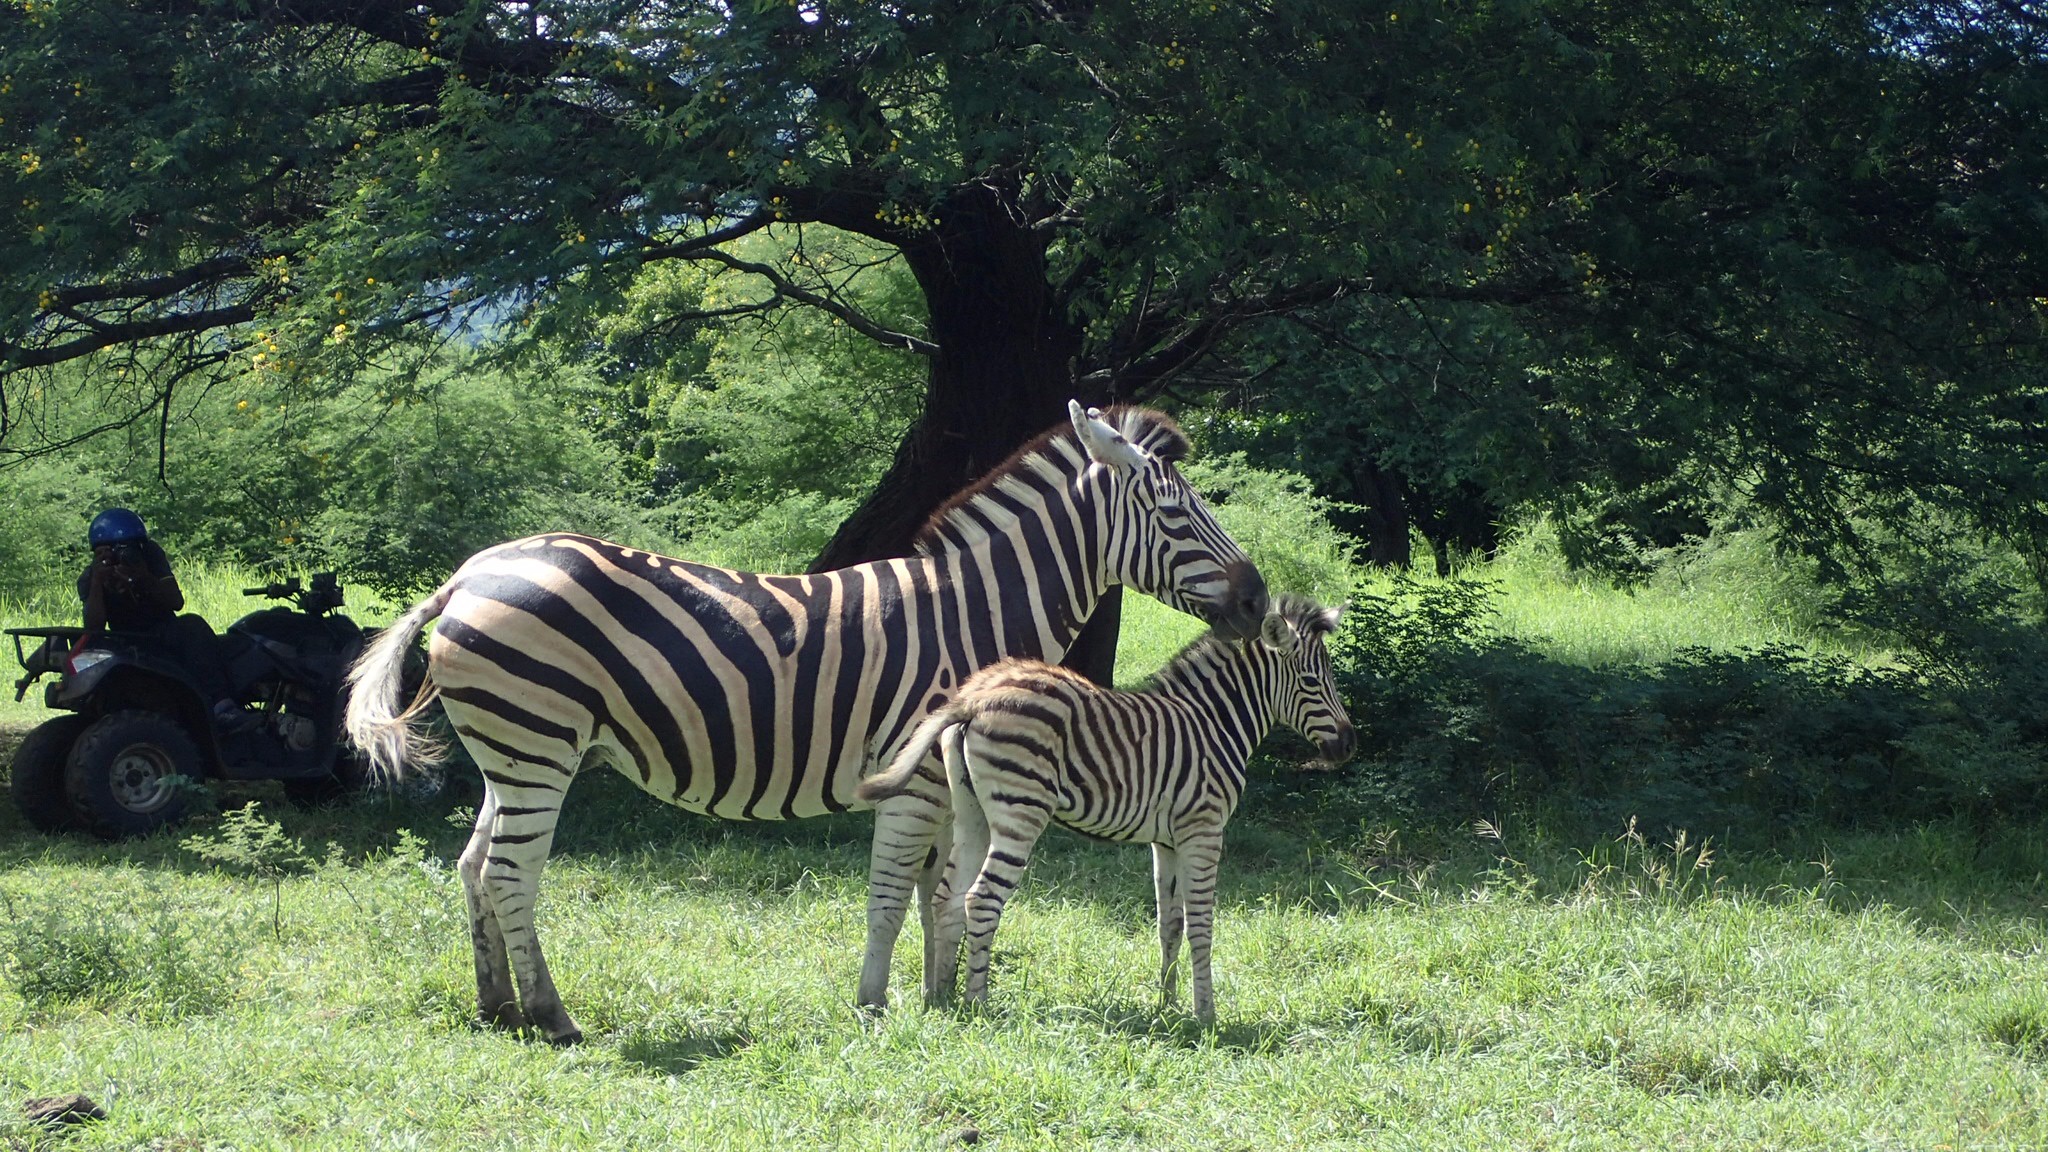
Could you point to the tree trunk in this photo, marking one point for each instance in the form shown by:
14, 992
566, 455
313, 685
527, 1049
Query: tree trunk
1384, 512
1003, 373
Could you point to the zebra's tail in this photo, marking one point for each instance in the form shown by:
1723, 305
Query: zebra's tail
895, 779
390, 737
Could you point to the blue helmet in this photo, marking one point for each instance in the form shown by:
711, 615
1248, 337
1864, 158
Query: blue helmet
116, 526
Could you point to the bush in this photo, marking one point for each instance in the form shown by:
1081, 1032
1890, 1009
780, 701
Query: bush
158, 968
1458, 721
1281, 524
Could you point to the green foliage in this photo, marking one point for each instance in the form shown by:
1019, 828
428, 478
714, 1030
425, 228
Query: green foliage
721, 399
1728, 590
781, 536
157, 968
247, 842
391, 486
1456, 718
1283, 525
42, 525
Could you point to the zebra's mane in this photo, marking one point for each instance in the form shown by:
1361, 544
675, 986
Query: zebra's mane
1153, 431
1210, 649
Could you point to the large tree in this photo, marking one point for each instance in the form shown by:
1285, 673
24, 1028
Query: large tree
1673, 202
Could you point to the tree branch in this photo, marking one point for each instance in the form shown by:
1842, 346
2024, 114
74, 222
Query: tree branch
786, 287
15, 357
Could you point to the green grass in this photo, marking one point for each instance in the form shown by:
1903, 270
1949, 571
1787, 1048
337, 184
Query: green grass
1728, 595
1449, 992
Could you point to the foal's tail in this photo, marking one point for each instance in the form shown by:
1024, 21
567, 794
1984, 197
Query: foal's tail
895, 779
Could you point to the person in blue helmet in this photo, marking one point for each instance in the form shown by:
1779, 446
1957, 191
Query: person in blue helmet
128, 586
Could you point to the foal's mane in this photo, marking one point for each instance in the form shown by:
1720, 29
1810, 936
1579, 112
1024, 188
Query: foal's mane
1304, 613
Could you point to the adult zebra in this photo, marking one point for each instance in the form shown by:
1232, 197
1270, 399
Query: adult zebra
769, 697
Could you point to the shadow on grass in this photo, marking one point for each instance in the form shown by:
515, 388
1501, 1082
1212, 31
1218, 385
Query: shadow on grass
1402, 1026
673, 1054
606, 819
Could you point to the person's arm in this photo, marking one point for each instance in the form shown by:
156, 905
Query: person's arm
159, 585
92, 588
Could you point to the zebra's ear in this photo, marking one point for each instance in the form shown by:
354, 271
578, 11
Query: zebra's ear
1104, 444
1326, 621
1277, 633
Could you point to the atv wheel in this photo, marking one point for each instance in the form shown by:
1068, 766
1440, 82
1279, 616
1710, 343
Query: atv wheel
38, 779
128, 773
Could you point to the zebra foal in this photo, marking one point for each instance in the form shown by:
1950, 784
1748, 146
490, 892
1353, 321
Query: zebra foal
1026, 743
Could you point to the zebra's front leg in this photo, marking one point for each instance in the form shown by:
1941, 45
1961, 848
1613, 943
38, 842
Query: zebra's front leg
497, 1003
1172, 913
525, 804
1200, 854
906, 828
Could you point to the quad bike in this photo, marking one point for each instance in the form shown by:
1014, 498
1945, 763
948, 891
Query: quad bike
141, 729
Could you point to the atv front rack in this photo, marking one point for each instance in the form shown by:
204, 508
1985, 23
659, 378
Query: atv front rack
46, 657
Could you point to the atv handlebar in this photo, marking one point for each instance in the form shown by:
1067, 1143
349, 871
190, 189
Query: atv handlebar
323, 595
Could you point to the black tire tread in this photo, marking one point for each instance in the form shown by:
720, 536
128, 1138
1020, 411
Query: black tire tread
36, 780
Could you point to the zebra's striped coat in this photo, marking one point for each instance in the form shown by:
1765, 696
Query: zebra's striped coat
1028, 743
751, 696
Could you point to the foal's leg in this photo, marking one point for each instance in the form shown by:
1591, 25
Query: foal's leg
1012, 820
966, 844
1172, 912
1200, 853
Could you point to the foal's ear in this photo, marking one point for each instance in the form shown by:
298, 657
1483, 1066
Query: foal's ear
1277, 633
1325, 621
1104, 444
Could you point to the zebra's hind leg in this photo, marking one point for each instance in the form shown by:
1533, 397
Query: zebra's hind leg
525, 802
940, 910
497, 1003
906, 829
1172, 913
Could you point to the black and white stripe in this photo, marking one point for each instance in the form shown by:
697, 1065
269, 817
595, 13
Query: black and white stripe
757, 697
1028, 743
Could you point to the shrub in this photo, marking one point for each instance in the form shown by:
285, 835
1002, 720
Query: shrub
1281, 523
1458, 721
66, 960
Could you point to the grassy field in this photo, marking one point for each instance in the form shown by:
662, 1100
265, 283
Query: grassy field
1380, 987
1377, 991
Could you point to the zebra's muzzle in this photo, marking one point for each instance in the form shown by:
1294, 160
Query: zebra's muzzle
1338, 748
1244, 604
